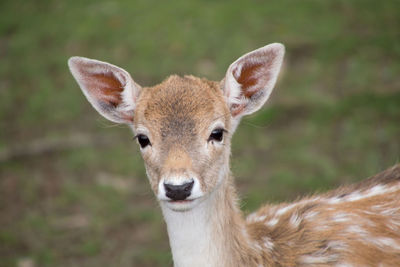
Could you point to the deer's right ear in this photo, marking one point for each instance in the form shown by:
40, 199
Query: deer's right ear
109, 89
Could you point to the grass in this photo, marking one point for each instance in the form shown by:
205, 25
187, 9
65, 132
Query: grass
333, 118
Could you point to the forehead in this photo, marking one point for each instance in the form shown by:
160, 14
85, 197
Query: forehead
179, 105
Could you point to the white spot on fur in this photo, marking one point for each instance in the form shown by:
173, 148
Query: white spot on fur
334, 200
344, 264
252, 217
385, 242
255, 217
341, 217
317, 259
260, 219
311, 215
357, 229
377, 190
355, 196
272, 222
283, 210
295, 220
267, 242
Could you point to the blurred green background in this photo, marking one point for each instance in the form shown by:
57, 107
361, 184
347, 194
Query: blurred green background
73, 190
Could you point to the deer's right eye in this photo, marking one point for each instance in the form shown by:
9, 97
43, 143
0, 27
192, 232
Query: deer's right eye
143, 140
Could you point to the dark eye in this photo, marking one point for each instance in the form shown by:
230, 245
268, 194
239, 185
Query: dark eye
216, 135
143, 140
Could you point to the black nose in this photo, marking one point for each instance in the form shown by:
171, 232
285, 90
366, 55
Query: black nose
178, 192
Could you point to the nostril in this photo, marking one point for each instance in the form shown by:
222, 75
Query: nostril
178, 192
188, 186
167, 187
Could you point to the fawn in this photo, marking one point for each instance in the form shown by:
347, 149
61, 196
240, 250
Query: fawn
184, 128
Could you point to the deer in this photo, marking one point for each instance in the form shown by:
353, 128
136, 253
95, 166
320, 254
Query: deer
184, 127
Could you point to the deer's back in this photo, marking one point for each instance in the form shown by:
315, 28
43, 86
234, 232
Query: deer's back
357, 225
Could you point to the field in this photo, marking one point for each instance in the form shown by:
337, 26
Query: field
73, 189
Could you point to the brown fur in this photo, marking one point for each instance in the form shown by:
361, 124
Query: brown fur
178, 113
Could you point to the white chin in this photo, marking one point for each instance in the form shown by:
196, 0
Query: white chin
181, 206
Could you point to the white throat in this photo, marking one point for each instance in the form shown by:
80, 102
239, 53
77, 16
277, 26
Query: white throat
191, 235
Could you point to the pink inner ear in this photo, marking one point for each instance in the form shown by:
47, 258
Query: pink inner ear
255, 72
247, 77
105, 87
251, 77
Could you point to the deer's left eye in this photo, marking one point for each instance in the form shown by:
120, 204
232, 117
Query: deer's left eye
216, 135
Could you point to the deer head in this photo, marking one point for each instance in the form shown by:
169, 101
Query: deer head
183, 125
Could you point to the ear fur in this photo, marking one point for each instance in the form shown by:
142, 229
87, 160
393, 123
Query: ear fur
109, 89
250, 79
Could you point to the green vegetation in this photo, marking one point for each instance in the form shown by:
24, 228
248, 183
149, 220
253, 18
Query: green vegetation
333, 118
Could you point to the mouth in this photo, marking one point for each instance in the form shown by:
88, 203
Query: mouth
181, 205
181, 201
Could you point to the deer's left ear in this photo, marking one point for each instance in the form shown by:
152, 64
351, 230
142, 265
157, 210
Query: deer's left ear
250, 79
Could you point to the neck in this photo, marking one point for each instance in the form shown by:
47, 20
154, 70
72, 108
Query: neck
211, 234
